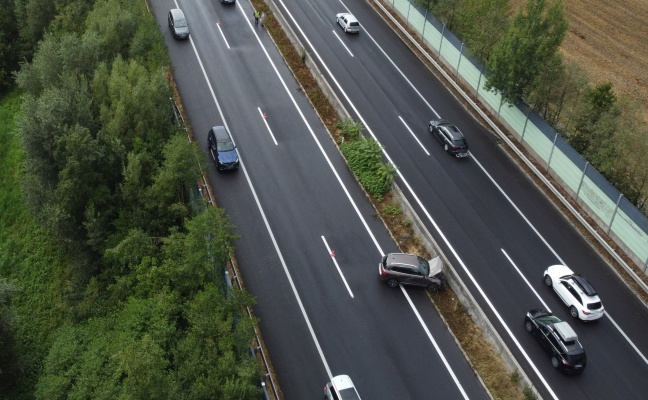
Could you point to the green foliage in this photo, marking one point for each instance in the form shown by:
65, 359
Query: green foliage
9, 45
392, 209
530, 42
480, 24
350, 129
364, 157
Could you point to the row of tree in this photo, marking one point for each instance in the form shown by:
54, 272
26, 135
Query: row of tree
522, 54
107, 174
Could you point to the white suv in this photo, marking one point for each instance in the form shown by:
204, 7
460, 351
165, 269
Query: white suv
575, 291
341, 388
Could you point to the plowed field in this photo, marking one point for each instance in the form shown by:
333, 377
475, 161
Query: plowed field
609, 40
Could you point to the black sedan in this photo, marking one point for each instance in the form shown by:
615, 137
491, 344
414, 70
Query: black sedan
558, 339
450, 136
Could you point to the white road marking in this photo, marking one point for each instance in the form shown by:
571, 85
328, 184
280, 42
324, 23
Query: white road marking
413, 135
341, 42
223, 35
265, 121
526, 281
337, 266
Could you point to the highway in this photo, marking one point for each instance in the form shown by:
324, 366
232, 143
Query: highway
294, 200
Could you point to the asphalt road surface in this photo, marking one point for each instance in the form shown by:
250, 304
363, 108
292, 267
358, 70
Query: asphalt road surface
294, 202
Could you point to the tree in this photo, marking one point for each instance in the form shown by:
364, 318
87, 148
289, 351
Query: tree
530, 41
9, 360
480, 24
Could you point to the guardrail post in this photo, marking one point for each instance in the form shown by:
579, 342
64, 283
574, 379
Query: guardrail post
460, 54
582, 179
614, 214
552, 150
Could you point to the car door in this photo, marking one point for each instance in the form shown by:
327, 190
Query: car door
170, 20
563, 289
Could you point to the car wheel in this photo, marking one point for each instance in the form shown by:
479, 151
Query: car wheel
345, 29
529, 326
392, 283
547, 280
446, 147
430, 128
573, 311
554, 361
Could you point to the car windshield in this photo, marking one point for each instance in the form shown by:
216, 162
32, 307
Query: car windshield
180, 23
424, 266
224, 146
459, 142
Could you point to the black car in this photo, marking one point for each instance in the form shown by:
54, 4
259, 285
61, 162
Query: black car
558, 339
222, 149
450, 136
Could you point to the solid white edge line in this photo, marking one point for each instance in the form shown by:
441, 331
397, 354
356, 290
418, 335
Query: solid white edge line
337, 266
526, 281
607, 314
413, 135
434, 343
344, 45
265, 121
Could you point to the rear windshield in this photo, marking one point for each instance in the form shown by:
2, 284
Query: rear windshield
594, 306
349, 394
459, 142
354, 24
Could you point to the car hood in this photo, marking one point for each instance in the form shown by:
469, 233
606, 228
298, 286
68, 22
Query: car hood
226, 157
436, 266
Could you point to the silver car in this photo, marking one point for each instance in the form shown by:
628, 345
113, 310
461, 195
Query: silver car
348, 22
341, 388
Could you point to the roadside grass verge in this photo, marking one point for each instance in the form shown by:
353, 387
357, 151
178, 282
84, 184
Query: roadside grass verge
27, 257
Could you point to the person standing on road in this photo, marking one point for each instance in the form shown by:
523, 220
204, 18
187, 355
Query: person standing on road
256, 18
262, 17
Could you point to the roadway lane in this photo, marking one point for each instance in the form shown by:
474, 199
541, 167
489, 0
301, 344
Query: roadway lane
478, 220
283, 200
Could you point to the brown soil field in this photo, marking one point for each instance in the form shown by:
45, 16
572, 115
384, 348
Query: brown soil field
609, 40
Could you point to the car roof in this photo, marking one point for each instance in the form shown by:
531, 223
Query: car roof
403, 259
348, 16
565, 331
452, 130
221, 134
584, 284
342, 382
177, 13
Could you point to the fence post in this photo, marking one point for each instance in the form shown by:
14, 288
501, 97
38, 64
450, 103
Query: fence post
441, 41
500, 106
646, 266
551, 152
424, 24
614, 214
582, 179
481, 72
526, 121
460, 54
408, 10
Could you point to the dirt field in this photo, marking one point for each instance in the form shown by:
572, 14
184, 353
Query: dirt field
609, 40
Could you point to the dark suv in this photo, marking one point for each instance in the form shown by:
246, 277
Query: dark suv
408, 269
450, 136
558, 339
222, 149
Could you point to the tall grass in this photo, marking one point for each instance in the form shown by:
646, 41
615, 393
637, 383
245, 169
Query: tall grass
27, 257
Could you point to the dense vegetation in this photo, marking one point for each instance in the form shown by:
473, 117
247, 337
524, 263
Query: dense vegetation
111, 279
522, 53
